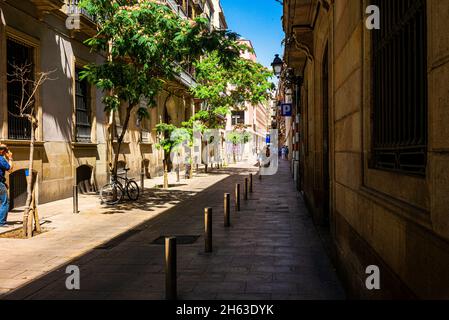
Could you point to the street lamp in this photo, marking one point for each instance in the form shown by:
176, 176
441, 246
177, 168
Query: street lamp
277, 65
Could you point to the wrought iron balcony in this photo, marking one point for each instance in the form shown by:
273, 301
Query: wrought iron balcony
177, 8
73, 8
186, 79
145, 136
199, 4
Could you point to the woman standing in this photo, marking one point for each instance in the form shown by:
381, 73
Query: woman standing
5, 165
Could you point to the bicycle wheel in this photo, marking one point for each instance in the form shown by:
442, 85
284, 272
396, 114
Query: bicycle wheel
111, 194
132, 189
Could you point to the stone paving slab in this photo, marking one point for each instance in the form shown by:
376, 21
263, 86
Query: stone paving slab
76, 235
271, 251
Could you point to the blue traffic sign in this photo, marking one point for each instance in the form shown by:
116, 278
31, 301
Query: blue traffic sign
286, 109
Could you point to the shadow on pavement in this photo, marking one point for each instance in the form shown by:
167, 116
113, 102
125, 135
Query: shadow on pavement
130, 264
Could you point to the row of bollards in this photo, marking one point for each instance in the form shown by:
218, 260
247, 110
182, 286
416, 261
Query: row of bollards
170, 242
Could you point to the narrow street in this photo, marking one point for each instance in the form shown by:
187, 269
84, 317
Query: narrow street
272, 251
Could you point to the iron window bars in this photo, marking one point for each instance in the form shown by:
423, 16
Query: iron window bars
399, 85
82, 108
19, 54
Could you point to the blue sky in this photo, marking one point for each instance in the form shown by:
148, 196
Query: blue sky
258, 21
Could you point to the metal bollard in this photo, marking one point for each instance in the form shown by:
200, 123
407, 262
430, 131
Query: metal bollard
245, 192
208, 229
237, 197
75, 199
142, 181
170, 269
227, 211
250, 183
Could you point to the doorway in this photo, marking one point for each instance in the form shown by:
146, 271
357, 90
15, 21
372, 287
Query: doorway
18, 188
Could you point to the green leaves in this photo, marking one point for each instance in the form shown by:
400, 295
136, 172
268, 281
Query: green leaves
236, 137
147, 42
227, 86
172, 137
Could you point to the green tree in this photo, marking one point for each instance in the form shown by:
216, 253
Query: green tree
172, 139
147, 44
235, 138
225, 87
246, 137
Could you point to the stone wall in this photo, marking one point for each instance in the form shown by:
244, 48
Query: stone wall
57, 155
398, 222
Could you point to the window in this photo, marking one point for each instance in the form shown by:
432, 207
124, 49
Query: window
18, 54
400, 87
238, 117
144, 124
82, 109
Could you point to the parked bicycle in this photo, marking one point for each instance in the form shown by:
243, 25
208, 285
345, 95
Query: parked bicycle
113, 192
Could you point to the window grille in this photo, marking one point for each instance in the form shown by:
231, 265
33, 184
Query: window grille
400, 87
83, 110
18, 54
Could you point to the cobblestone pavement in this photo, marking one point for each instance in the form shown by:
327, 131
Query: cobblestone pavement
272, 250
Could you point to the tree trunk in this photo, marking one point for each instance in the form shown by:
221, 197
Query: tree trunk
36, 213
120, 139
191, 172
26, 214
178, 170
166, 185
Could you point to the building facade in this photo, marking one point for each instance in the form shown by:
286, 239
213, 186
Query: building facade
372, 107
254, 119
74, 145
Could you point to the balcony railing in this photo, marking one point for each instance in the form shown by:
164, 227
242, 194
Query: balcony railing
199, 4
186, 79
145, 136
176, 8
74, 9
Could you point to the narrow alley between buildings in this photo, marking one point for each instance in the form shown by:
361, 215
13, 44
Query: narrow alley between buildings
271, 251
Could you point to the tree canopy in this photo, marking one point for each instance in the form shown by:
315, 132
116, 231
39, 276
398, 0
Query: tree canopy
146, 45
227, 87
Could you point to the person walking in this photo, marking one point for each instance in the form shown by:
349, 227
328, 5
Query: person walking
5, 165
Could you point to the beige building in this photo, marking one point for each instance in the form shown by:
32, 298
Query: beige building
374, 141
72, 147
254, 118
